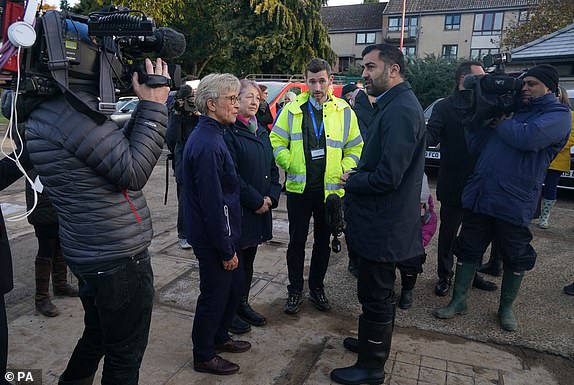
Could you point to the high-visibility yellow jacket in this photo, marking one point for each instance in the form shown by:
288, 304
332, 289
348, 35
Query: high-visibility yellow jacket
562, 160
343, 143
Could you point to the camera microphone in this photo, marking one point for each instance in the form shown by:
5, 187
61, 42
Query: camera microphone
334, 218
168, 43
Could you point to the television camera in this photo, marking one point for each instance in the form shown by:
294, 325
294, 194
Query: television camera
44, 54
489, 96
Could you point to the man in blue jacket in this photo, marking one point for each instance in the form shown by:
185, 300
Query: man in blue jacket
501, 196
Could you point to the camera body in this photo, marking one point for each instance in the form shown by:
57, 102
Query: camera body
123, 35
485, 97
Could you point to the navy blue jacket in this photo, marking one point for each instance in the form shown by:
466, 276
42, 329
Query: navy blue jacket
513, 159
383, 197
211, 191
258, 177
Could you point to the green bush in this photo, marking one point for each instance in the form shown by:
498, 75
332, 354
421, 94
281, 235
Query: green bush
431, 77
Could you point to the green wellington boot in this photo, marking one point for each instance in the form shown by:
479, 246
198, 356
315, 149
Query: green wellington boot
462, 283
511, 282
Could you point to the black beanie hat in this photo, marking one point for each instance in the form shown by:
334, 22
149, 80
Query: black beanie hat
547, 74
348, 88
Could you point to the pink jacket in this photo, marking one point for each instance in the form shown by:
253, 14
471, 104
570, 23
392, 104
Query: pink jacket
429, 228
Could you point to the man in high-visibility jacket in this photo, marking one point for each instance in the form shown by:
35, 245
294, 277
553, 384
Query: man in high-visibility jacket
315, 139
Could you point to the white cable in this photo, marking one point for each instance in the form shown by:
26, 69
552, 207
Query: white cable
13, 126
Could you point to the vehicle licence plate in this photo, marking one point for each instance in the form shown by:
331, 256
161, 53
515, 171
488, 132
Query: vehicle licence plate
568, 174
432, 154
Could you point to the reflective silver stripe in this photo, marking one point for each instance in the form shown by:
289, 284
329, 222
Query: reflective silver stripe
281, 132
279, 148
297, 136
332, 186
354, 157
297, 178
334, 143
290, 120
347, 122
354, 142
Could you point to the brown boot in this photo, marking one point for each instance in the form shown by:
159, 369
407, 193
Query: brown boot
60, 276
42, 298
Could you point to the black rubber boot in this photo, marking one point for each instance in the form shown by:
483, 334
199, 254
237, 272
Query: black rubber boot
84, 381
249, 315
374, 347
408, 281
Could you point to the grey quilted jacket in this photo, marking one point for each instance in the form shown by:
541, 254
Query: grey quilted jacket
94, 175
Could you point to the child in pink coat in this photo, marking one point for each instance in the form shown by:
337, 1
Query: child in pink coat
411, 268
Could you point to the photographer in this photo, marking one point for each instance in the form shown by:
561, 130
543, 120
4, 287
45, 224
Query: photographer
501, 196
94, 174
183, 118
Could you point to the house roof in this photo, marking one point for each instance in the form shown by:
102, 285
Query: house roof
557, 45
422, 6
353, 17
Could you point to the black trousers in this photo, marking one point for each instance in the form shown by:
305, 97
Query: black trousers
450, 220
118, 305
300, 208
512, 241
375, 289
3, 339
247, 258
180, 219
220, 291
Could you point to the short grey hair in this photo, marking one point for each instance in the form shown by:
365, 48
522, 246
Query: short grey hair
212, 86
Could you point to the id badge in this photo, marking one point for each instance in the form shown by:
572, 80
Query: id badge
317, 154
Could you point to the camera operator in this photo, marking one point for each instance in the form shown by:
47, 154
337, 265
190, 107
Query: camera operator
501, 196
446, 127
183, 118
94, 174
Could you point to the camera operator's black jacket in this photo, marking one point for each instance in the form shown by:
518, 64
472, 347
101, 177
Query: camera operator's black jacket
384, 217
258, 177
456, 163
179, 127
94, 175
513, 159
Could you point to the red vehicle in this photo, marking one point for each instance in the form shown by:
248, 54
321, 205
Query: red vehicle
276, 92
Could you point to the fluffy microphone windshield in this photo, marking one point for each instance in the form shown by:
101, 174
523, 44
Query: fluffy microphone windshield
172, 43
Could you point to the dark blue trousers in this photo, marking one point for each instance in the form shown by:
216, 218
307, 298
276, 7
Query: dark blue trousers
512, 242
220, 291
375, 289
118, 306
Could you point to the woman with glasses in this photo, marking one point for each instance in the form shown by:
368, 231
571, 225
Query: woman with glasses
251, 150
213, 223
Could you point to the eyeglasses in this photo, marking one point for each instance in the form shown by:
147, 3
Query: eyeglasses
232, 98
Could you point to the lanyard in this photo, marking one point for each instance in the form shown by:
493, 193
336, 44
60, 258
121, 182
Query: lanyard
318, 132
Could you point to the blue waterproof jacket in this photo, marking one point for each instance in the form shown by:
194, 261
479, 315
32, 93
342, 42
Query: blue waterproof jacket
513, 158
211, 190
